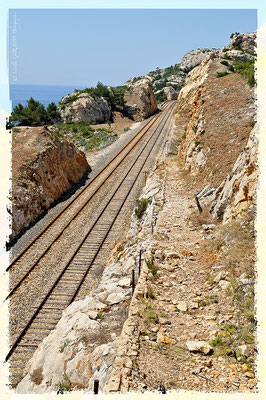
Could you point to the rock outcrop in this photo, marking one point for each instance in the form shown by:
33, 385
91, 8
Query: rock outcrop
217, 110
84, 108
44, 167
194, 58
217, 116
81, 346
237, 192
170, 93
140, 100
244, 41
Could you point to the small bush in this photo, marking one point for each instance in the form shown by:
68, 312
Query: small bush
232, 34
151, 294
148, 314
247, 69
221, 74
141, 207
152, 268
224, 62
64, 386
99, 315
227, 57
252, 123
160, 97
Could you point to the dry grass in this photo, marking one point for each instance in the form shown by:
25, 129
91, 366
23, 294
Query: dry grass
199, 219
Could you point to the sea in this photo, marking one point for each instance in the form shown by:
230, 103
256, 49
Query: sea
44, 94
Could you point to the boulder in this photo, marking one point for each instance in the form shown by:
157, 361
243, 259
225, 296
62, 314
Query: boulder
199, 347
140, 100
85, 108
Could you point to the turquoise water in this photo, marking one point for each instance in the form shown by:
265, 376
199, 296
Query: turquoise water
44, 94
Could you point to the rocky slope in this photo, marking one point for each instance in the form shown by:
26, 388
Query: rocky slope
170, 80
140, 101
44, 167
215, 114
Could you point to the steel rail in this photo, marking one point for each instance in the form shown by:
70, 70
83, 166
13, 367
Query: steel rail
56, 217
29, 323
78, 211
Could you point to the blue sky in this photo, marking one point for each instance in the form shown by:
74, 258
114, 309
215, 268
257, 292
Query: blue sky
81, 47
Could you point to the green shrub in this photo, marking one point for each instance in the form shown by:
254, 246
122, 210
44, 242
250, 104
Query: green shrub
64, 386
152, 267
221, 74
141, 207
148, 314
224, 62
252, 123
232, 34
151, 294
113, 95
160, 97
247, 69
34, 114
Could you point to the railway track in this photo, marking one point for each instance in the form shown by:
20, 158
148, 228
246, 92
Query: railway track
65, 288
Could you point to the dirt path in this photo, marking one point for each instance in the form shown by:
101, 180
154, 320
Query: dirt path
184, 305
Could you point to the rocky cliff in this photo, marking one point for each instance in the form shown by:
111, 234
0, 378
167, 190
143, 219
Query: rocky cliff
215, 114
84, 108
140, 100
44, 166
237, 193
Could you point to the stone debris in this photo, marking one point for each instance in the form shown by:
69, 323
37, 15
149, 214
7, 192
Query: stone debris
199, 347
182, 306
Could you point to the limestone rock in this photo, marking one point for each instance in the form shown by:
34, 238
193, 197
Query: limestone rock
43, 168
238, 191
85, 109
199, 347
140, 100
194, 58
243, 350
170, 93
244, 41
162, 338
182, 306
224, 284
115, 298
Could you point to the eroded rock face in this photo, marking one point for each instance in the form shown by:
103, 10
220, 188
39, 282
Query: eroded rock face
140, 100
170, 93
237, 192
194, 58
85, 109
43, 168
244, 41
